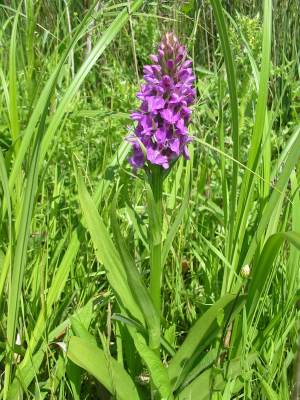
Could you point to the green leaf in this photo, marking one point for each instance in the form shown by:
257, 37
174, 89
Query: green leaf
20, 255
293, 262
85, 68
255, 153
231, 78
106, 252
4, 181
106, 370
291, 161
137, 287
205, 329
212, 380
29, 367
158, 372
268, 391
80, 322
57, 285
264, 266
13, 90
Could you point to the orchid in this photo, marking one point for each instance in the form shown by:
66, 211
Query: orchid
161, 132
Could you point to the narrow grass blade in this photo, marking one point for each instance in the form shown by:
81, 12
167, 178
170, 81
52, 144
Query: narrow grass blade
293, 262
13, 91
177, 221
245, 198
58, 283
264, 266
42, 103
98, 49
230, 70
290, 163
4, 181
20, 253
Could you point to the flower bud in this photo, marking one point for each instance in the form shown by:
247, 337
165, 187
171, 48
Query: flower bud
245, 271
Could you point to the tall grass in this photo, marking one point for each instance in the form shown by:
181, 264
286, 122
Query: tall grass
81, 314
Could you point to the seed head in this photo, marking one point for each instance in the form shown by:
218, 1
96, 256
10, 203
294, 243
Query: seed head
245, 271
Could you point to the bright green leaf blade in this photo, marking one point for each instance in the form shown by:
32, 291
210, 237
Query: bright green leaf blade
59, 280
107, 253
255, 153
158, 372
107, 371
138, 289
230, 70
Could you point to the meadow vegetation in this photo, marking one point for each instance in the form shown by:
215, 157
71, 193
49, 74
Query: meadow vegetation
78, 226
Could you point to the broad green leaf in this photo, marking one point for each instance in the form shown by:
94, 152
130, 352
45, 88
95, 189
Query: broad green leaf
138, 288
80, 322
58, 283
81, 330
158, 372
106, 252
107, 371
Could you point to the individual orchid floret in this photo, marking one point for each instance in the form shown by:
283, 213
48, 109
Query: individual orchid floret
161, 132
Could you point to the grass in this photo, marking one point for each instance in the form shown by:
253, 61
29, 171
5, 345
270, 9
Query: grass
84, 242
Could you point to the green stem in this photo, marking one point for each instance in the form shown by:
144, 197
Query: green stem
155, 228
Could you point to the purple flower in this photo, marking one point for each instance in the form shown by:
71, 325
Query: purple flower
161, 132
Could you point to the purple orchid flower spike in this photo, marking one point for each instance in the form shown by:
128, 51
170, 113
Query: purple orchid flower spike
161, 133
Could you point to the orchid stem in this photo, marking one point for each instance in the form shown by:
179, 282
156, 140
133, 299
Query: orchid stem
155, 233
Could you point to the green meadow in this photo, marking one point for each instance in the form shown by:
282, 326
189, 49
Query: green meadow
177, 284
